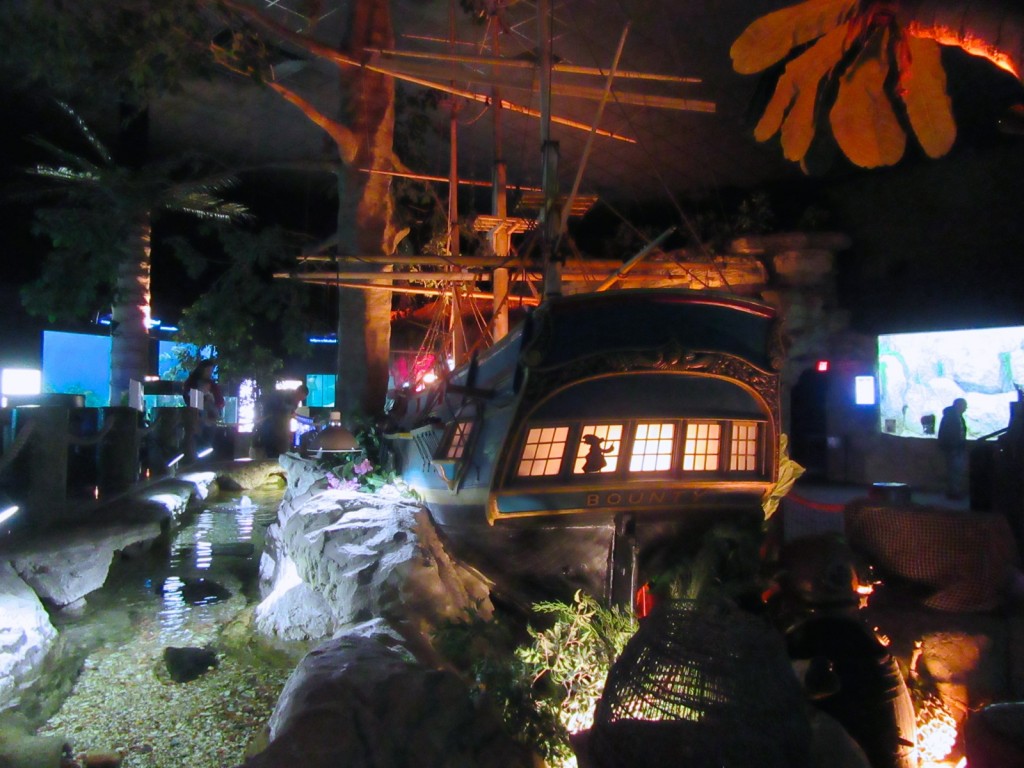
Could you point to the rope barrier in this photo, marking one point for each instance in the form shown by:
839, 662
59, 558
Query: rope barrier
16, 447
94, 439
818, 505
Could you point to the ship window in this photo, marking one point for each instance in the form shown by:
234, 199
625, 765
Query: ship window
743, 450
459, 440
426, 440
703, 442
652, 448
542, 454
598, 449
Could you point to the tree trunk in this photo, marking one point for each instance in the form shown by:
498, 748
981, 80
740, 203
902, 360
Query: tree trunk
129, 351
365, 221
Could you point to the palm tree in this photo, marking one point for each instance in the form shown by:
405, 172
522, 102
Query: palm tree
101, 232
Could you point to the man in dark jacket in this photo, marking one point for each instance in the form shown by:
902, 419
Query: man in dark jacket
273, 431
953, 442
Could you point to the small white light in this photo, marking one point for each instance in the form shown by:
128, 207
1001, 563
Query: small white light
287, 384
8, 513
21, 381
204, 453
864, 390
173, 462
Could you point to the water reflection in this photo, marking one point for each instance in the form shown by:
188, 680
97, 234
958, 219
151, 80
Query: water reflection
212, 566
245, 518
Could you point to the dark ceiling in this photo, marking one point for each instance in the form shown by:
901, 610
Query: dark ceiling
676, 153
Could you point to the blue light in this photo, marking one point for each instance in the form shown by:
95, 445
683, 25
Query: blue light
332, 339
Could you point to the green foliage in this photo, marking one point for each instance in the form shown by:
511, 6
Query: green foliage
131, 50
728, 565
576, 652
78, 276
416, 121
547, 686
754, 216
252, 319
367, 470
485, 652
94, 209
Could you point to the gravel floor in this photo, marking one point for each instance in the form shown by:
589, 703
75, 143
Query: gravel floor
121, 704
124, 702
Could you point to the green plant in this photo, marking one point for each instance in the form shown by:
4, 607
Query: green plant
365, 470
485, 651
576, 652
547, 686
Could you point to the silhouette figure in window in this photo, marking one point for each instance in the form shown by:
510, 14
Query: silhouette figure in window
595, 461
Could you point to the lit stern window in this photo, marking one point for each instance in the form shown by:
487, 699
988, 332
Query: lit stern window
703, 443
598, 450
542, 454
460, 437
652, 448
743, 453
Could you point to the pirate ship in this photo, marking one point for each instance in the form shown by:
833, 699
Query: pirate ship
601, 437
610, 428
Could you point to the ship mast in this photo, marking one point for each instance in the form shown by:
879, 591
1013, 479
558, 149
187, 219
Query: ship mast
550, 214
461, 76
501, 237
456, 332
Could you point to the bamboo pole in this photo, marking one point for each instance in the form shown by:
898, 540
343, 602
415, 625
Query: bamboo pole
523, 300
523, 64
621, 272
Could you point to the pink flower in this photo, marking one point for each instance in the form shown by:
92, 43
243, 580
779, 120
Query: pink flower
333, 481
363, 467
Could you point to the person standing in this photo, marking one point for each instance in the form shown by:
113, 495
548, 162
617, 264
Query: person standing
273, 431
953, 443
212, 410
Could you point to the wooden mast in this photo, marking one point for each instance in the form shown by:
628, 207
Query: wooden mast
456, 333
445, 72
500, 235
550, 215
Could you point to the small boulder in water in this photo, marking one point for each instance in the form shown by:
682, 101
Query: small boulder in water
188, 663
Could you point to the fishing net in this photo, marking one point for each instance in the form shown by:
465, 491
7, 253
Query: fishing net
701, 684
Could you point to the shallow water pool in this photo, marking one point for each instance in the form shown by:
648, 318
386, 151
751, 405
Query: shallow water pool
184, 592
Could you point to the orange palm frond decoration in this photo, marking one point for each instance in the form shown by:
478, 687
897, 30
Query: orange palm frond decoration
849, 49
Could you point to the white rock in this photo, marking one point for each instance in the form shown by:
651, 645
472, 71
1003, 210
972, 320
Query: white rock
294, 610
366, 556
26, 635
67, 567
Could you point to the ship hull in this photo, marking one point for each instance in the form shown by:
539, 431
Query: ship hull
599, 441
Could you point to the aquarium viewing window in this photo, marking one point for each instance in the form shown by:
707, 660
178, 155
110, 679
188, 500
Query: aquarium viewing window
77, 364
920, 374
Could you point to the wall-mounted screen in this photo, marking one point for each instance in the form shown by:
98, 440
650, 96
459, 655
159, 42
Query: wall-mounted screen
77, 364
321, 389
919, 374
175, 359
